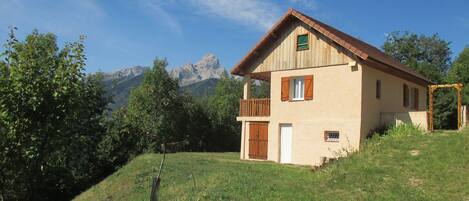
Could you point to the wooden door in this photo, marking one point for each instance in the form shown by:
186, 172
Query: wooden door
253, 140
258, 140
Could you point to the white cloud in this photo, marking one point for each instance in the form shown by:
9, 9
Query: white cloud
155, 9
64, 18
254, 14
260, 14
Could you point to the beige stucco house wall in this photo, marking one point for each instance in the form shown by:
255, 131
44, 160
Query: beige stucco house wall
335, 107
390, 105
344, 89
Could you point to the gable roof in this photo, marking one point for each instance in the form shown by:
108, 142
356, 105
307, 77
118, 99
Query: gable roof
364, 51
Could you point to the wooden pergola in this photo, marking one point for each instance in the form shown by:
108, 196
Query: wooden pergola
431, 89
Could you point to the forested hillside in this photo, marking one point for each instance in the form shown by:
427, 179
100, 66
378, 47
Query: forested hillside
197, 80
203, 88
56, 137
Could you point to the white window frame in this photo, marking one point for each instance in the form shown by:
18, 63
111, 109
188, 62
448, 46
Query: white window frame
328, 139
297, 88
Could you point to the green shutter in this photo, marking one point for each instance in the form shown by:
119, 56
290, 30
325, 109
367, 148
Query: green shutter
302, 42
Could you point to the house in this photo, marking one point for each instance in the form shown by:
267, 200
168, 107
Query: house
328, 91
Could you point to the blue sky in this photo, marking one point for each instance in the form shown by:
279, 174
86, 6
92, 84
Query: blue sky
133, 32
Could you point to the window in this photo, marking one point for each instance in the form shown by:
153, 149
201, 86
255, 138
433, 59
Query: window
415, 98
331, 136
298, 88
405, 95
378, 89
302, 42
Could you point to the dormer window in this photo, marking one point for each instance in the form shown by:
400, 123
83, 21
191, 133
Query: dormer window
302, 42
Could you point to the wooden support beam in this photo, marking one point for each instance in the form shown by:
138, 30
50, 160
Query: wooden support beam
459, 108
430, 108
431, 89
247, 87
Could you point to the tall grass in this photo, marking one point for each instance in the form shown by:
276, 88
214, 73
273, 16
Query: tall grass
396, 132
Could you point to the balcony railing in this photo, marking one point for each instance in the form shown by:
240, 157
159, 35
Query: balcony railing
254, 107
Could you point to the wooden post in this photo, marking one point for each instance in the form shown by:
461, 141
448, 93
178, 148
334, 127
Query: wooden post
156, 181
430, 108
154, 189
459, 107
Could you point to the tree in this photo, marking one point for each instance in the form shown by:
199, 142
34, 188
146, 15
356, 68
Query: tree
428, 55
445, 109
459, 73
200, 135
156, 108
224, 108
446, 104
262, 90
50, 115
121, 142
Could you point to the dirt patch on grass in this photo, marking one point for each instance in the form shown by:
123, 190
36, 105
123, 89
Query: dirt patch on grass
415, 152
414, 182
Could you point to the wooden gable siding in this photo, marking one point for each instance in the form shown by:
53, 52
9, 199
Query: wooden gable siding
282, 54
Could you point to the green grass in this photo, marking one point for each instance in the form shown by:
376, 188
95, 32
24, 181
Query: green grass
403, 165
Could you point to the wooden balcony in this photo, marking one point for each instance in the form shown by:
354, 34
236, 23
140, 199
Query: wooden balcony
254, 107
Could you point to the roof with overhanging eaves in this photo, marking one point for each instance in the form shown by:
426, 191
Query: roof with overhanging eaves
364, 51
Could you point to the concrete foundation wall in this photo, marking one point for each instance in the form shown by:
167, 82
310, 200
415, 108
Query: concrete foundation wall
417, 118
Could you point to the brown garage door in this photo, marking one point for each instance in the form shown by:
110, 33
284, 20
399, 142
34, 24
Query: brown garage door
258, 135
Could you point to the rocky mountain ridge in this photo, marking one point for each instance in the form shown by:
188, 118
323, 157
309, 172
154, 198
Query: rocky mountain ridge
124, 73
198, 79
206, 68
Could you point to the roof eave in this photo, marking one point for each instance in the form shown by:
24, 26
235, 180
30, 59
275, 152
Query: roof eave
236, 68
411, 77
319, 27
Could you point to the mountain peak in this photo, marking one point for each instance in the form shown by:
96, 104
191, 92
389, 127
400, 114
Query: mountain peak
125, 72
206, 68
209, 61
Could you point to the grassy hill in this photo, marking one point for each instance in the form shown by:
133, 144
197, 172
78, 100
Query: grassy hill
403, 165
